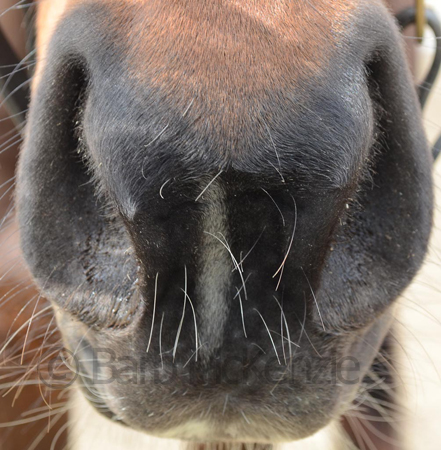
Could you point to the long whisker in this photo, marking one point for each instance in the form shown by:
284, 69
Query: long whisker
241, 312
160, 340
195, 324
29, 327
225, 244
208, 185
182, 317
269, 334
250, 250
48, 308
15, 423
289, 246
275, 204
282, 313
154, 312
315, 300
44, 432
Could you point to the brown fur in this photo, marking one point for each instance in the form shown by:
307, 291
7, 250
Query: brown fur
215, 76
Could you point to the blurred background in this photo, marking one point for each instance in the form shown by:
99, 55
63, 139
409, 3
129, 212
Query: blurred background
419, 319
25, 420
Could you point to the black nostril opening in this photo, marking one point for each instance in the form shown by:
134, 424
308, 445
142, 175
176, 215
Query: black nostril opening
86, 266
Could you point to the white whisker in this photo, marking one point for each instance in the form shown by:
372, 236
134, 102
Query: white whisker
208, 185
183, 315
195, 323
289, 246
269, 334
154, 312
315, 300
160, 340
